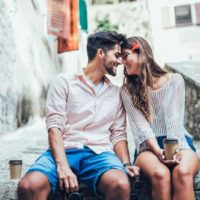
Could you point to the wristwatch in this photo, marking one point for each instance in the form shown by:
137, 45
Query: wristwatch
127, 164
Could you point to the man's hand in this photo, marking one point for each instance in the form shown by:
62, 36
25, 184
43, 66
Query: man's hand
67, 179
132, 170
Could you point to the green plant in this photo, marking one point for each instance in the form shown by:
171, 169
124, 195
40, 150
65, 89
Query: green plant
105, 25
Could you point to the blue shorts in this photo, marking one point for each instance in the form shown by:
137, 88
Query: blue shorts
86, 164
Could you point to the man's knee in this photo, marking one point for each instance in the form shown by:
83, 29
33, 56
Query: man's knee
32, 184
27, 185
121, 185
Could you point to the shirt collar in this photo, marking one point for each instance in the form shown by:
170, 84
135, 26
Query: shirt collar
80, 75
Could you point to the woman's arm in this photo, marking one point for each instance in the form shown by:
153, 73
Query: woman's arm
140, 127
174, 111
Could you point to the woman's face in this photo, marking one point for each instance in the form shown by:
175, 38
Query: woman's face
130, 60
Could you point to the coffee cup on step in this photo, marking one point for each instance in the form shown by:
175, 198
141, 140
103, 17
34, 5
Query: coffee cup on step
170, 148
15, 169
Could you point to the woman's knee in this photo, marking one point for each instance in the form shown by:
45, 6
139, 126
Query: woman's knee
182, 176
160, 176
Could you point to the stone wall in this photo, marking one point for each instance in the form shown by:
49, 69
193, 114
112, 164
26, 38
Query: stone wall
191, 73
27, 61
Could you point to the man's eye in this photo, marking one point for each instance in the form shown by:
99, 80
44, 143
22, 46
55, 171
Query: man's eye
124, 56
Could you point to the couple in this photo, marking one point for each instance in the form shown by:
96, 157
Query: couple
86, 124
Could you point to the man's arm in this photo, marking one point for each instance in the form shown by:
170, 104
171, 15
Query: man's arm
119, 140
67, 179
56, 122
122, 152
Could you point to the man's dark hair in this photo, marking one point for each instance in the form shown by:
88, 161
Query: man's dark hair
105, 40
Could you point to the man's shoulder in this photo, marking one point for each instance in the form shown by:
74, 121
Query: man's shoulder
114, 87
64, 77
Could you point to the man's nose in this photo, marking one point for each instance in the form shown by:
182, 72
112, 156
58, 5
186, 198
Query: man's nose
123, 61
119, 60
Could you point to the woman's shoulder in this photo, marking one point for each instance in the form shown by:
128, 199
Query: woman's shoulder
123, 91
177, 79
124, 94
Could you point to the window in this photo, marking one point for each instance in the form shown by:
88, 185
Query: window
183, 15
197, 5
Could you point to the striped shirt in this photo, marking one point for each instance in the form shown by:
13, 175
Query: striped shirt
167, 106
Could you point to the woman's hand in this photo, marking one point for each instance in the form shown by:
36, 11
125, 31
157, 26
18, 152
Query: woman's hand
160, 154
176, 158
132, 170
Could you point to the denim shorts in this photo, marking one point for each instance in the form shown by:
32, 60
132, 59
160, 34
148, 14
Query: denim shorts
86, 164
161, 145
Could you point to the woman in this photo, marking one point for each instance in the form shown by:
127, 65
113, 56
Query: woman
154, 101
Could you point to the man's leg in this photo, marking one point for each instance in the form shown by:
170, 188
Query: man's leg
105, 174
114, 184
42, 178
34, 186
39, 180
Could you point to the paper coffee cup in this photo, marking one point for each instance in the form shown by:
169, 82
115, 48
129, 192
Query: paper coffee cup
15, 169
170, 147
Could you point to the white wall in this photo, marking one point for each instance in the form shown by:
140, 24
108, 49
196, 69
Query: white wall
173, 43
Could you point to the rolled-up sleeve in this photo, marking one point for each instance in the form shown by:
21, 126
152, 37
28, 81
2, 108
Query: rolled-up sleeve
56, 104
118, 128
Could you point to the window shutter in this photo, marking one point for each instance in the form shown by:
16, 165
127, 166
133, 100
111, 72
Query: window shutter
197, 8
166, 17
59, 18
72, 41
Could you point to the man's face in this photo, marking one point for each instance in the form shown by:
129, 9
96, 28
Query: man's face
112, 59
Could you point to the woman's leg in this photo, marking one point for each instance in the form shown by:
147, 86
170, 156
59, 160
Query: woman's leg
183, 174
158, 173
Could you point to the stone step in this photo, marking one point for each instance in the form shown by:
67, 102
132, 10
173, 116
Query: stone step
140, 190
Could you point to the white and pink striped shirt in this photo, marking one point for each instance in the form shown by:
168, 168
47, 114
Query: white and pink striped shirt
84, 117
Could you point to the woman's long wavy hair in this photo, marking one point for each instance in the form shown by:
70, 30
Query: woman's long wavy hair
137, 85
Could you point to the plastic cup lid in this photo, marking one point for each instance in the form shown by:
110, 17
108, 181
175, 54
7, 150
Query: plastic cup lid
15, 162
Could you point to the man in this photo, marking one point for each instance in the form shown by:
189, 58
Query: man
86, 125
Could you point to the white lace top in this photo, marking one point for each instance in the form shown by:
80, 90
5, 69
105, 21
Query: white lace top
167, 109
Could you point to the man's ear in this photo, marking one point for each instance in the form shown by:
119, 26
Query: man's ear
100, 53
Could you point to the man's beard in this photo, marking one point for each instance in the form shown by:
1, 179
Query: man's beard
110, 70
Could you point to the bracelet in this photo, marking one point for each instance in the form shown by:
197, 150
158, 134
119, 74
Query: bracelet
127, 164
